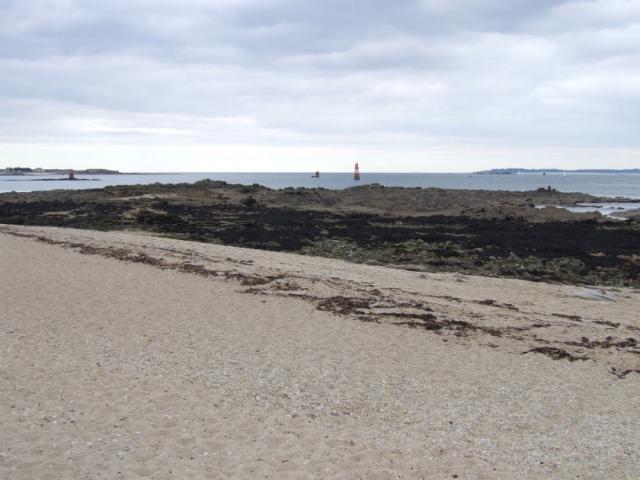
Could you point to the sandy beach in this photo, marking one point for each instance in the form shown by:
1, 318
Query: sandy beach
131, 356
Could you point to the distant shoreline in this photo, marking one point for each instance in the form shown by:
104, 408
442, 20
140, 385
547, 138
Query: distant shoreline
512, 171
602, 185
28, 172
53, 180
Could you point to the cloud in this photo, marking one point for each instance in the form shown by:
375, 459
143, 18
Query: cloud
426, 75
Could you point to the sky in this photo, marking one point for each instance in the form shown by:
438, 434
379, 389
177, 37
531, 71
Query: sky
300, 85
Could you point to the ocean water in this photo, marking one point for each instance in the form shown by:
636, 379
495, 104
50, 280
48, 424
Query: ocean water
614, 210
610, 185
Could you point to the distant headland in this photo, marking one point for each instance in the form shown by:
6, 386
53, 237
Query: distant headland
55, 171
512, 171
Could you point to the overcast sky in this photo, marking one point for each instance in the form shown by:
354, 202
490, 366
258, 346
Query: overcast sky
295, 85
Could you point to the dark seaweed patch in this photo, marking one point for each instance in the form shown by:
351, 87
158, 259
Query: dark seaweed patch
608, 342
607, 323
575, 318
505, 245
555, 353
623, 373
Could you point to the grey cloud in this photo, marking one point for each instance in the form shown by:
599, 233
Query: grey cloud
285, 72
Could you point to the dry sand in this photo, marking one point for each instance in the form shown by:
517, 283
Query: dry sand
130, 356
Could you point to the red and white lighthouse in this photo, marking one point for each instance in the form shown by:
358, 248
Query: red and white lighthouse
356, 172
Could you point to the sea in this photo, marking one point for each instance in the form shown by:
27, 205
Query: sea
625, 185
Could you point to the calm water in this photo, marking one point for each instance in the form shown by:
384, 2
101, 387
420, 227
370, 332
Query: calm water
610, 185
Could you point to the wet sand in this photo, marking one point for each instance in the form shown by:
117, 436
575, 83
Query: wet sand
131, 356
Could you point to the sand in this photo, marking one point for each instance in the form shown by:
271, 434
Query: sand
131, 356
